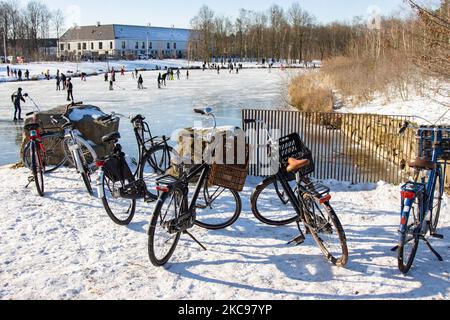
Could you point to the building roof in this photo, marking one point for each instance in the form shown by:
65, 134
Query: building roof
89, 33
125, 32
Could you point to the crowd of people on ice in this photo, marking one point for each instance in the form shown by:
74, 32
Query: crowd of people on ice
64, 82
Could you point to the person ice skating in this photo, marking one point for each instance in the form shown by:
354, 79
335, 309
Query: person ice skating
140, 83
187, 74
218, 69
137, 72
171, 74
122, 71
57, 73
83, 76
58, 83
27, 74
8, 70
178, 73
159, 80
164, 76
113, 75
111, 83
16, 97
69, 90
63, 80
106, 76
19, 74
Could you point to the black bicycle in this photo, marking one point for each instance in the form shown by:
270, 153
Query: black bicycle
289, 196
118, 187
211, 207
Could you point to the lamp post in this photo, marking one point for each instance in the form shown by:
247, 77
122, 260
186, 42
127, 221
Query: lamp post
148, 44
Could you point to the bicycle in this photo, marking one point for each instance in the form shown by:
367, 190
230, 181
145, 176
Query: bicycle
422, 198
50, 145
302, 200
117, 186
175, 215
78, 152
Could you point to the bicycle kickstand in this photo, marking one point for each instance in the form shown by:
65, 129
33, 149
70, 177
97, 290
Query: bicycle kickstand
195, 240
300, 239
432, 249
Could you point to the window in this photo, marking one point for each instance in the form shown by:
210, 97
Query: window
100, 45
92, 46
62, 46
124, 45
175, 45
84, 45
68, 46
150, 45
111, 45
137, 45
79, 46
168, 46
143, 45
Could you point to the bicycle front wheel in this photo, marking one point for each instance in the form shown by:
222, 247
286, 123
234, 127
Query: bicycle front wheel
37, 168
217, 208
162, 239
437, 201
119, 209
271, 205
155, 164
54, 156
326, 229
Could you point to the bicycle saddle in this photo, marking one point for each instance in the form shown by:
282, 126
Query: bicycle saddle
137, 118
32, 126
295, 165
421, 164
112, 137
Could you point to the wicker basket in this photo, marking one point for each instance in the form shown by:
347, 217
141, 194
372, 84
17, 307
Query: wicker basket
232, 177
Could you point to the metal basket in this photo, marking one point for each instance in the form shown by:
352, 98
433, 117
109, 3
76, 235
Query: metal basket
292, 146
425, 140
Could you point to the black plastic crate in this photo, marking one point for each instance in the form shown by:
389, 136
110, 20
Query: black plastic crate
425, 140
292, 146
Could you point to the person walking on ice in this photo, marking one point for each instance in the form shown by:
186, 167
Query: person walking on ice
16, 97
111, 82
70, 90
140, 83
187, 74
159, 80
178, 73
58, 83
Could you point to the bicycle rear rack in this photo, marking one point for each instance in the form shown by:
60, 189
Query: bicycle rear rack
316, 189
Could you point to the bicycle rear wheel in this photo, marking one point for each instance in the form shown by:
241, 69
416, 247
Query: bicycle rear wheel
326, 229
271, 205
162, 241
37, 168
409, 240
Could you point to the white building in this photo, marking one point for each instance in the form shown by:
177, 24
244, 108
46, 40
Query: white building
124, 41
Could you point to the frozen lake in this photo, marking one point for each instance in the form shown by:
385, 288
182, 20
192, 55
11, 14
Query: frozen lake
166, 109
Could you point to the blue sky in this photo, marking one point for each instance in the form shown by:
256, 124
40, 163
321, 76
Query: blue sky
179, 12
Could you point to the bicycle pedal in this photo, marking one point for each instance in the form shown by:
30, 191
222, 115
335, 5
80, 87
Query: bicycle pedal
298, 240
437, 236
31, 179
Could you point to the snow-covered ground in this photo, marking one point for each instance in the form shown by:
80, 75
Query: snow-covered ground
64, 246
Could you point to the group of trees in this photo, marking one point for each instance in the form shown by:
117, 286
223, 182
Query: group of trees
294, 34
23, 26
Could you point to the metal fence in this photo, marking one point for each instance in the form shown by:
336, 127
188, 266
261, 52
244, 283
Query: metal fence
358, 148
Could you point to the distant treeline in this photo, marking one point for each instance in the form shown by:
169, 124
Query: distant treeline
24, 25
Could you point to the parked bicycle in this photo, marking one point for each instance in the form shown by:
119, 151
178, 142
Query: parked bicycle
50, 146
210, 206
422, 198
78, 152
290, 196
118, 187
